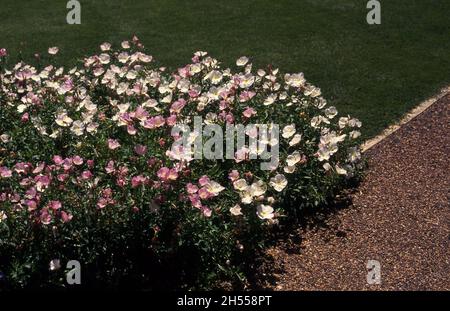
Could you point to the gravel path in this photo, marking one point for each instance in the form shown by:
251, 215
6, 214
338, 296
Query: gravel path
400, 216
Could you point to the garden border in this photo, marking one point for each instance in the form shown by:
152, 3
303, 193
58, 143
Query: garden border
368, 144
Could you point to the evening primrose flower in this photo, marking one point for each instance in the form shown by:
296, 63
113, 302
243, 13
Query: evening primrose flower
240, 184
214, 76
278, 182
331, 112
246, 80
265, 211
340, 170
77, 128
63, 120
295, 80
53, 50
258, 188
236, 210
214, 188
55, 264
113, 144
105, 46
293, 158
289, 169
242, 61
295, 140
3, 216
270, 99
288, 131
354, 154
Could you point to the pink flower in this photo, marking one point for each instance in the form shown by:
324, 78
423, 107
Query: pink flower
173, 174
5, 172
86, 175
42, 182
3, 52
204, 193
233, 175
113, 144
45, 217
178, 105
39, 168
54, 205
110, 167
163, 173
249, 112
154, 122
66, 217
102, 202
77, 160
172, 120
62, 177
21, 167
131, 129
32, 205
195, 200
191, 188
25, 117
246, 96
136, 181
206, 211
140, 149
58, 160
203, 180
90, 163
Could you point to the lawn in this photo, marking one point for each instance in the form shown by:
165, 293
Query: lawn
373, 72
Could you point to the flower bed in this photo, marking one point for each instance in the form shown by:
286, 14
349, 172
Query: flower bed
88, 171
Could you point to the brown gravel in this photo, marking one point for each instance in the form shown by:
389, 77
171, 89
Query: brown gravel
399, 215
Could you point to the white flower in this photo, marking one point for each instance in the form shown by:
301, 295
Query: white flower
258, 188
326, 166
331, 112
354, 134
354, 154
240, 184
62, 119
293, 158
343, 121
55, 264
270, 99
215, 76
77, 128
5, 138
289, 169
246, 197
295, 140
295, 80
236, 210
21, 108
264, 211
246, 81
53, 50
2, 216
214, 187
288, 131
105, 46
278, 182
340, 170
242, 61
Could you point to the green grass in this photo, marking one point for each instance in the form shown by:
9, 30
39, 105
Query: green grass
375, 73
